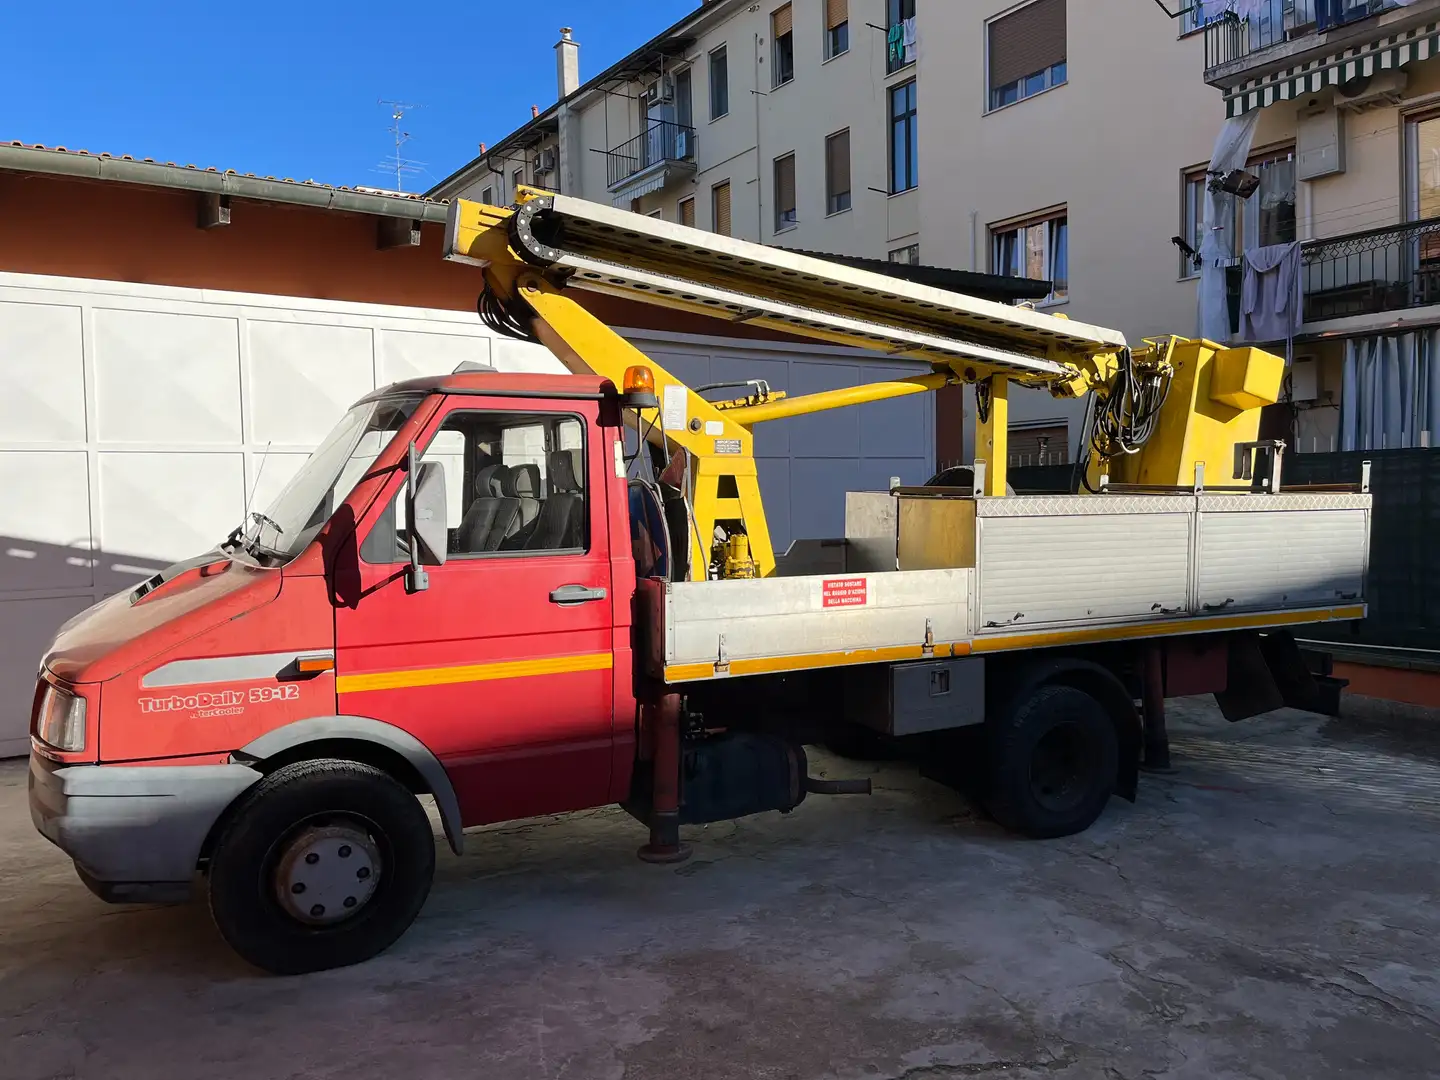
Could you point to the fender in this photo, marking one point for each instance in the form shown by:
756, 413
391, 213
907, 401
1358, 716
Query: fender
363, 729
1098, 680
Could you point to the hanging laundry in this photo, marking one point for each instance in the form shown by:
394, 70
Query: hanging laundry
896, 42
1270, 301
909, 25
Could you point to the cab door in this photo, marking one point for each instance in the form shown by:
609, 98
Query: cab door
503, 666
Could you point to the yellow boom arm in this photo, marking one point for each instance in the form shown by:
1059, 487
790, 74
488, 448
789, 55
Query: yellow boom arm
537, 254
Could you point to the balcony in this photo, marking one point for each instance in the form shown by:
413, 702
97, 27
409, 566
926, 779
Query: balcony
1395, 268
1366, 273
1281, 33
647, 162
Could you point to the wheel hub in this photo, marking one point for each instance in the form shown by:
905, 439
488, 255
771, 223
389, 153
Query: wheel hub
327, 873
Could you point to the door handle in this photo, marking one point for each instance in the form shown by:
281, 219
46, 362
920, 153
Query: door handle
571, 595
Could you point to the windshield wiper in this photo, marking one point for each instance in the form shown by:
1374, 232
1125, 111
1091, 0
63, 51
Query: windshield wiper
262, 520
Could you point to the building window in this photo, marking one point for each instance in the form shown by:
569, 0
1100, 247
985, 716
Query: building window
782, 34
488, 196
900, 35
1027, 52
904, 139
658, 212
837, 172
1265, 219
720, 207
517, 178
837, 28
1038, 249
719, 84
686, 216
906, 256
785, 216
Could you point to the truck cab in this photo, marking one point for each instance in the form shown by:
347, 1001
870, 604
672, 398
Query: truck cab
179, 724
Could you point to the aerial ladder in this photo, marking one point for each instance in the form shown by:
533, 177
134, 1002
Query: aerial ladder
1161, 415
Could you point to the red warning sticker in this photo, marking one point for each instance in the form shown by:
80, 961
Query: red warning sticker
844, 592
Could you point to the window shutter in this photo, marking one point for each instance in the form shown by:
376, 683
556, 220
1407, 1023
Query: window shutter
722, 208
785, 192
837, 164
1030, 40
687, 213
782, 22
836, 12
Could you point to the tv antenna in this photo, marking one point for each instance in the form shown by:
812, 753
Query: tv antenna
399, 166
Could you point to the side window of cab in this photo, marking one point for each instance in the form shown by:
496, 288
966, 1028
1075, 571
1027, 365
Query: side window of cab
516, 485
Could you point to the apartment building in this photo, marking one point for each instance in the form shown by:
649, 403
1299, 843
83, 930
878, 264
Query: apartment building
795, 124
1340, 100
1059, 154
839, 126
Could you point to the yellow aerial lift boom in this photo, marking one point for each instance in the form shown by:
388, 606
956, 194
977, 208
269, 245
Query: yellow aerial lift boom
1160, 412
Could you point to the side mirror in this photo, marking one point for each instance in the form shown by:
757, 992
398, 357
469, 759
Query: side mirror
425, 515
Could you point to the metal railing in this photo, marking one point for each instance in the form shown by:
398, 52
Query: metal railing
662, 141
1386, 269
1270, 22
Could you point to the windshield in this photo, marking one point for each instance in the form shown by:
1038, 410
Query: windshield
328, 476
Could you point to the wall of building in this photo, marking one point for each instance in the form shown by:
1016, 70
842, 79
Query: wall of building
1110, 145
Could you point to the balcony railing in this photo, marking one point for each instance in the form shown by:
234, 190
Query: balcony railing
1364, 273
1228, 38
662, 142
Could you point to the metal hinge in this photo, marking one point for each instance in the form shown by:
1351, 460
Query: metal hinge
722, 659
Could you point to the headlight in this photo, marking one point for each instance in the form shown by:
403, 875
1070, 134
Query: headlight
60, 721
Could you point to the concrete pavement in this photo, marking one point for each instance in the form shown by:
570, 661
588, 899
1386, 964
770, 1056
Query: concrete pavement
1268, 911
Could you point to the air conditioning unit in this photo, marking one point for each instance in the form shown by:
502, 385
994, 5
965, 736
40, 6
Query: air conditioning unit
1371, 91
661, 91
545, 161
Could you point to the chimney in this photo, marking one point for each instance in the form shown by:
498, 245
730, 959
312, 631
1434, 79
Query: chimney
534, 112
567, 64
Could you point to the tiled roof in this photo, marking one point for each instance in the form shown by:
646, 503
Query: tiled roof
412, 197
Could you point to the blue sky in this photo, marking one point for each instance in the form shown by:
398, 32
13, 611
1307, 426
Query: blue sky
291, 89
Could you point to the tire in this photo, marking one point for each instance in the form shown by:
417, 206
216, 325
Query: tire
1054, 758
301, 832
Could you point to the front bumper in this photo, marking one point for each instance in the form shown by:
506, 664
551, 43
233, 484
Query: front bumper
135, 832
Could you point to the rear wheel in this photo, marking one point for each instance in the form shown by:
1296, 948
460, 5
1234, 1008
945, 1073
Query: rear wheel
1054, 760
322, 864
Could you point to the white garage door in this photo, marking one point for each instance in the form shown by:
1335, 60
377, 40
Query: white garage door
136, 421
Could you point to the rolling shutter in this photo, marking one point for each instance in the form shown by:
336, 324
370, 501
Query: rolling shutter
782, 22
1030, 40
836, 12
837, 165
687, 213
721, 196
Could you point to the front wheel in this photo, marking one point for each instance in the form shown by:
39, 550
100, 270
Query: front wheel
1054, 759
321, 865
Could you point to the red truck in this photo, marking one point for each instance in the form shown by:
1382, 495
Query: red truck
464, 594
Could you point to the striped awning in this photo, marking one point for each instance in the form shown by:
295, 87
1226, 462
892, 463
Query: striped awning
1387, 54
643, 184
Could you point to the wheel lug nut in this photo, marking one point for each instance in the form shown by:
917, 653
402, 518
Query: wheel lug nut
312, 859
298, 888
344, 851
363, 873
317, 910
349, 901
